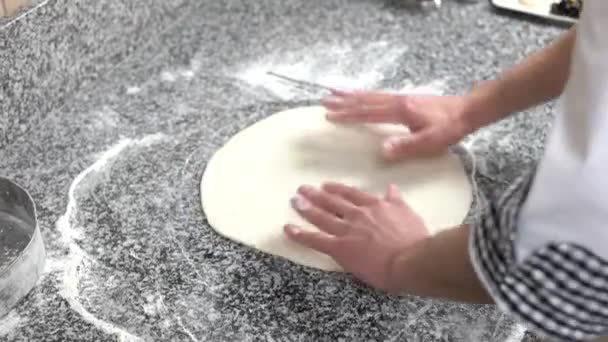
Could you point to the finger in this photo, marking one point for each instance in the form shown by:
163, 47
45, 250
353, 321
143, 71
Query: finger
363, 107
393, 194
371, 98
334, 103
416, 144
353, 195
327, 202
340, 92
342, 100
365, 114
325, 221
318, 241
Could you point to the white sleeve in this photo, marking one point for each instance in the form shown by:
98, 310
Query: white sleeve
569, 199
542, 250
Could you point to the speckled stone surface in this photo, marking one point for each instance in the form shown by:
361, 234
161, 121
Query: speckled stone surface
56, 47
115, 173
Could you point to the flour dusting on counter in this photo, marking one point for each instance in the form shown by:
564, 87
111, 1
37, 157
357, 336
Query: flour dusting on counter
9, 323
155, 305
77, 260
167, 76
187, 73
517, 333
133, 90
436, 87
341, 67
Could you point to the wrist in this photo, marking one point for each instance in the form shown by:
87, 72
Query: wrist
482, 106
404, 273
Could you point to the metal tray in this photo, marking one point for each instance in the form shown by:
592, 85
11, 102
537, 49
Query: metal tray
21, 248
543, 10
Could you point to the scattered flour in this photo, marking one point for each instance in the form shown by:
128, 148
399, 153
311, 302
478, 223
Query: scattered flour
186, 73
103, 118
340, 67
76, 262
133, 90
155, 306
168, 76
517, 333
186, 330
436, 87
9, 323
52, 264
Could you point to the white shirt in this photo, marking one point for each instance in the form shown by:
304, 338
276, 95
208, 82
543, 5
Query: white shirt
568, 201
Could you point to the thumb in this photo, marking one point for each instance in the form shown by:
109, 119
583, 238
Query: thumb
416, 143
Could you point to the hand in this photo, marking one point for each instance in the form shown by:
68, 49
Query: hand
435, 122
364, 234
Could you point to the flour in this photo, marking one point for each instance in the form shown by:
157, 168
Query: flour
133, 90
349, 67
155, 306
188, 74
436, 87
77, 261
186, 330
103, 119
191, 71
517, 333
167, 76
9, 323
184, 72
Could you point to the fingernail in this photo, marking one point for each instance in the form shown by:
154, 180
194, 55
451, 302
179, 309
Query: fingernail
306, 189
300, 203
335, 100
292, 229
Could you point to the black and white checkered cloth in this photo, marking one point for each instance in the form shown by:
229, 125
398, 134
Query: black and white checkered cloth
560, 291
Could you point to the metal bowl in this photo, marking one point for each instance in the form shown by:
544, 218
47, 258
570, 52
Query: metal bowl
21, 248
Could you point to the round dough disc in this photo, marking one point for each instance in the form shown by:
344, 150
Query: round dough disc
247, 185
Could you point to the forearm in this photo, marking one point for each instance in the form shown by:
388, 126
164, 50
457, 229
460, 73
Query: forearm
539, 78
440, 267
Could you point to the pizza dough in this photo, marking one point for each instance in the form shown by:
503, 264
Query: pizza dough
247, 185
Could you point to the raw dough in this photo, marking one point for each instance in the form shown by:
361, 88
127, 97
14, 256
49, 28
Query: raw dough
247, 185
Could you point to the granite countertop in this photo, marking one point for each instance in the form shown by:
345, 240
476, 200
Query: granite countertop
115, 174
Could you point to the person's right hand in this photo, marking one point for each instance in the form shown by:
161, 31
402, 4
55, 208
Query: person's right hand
435, 122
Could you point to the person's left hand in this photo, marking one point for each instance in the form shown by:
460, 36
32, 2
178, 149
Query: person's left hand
362, 233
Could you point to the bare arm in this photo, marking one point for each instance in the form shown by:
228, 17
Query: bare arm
386, 244
537, 79
436, 122
440, 267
